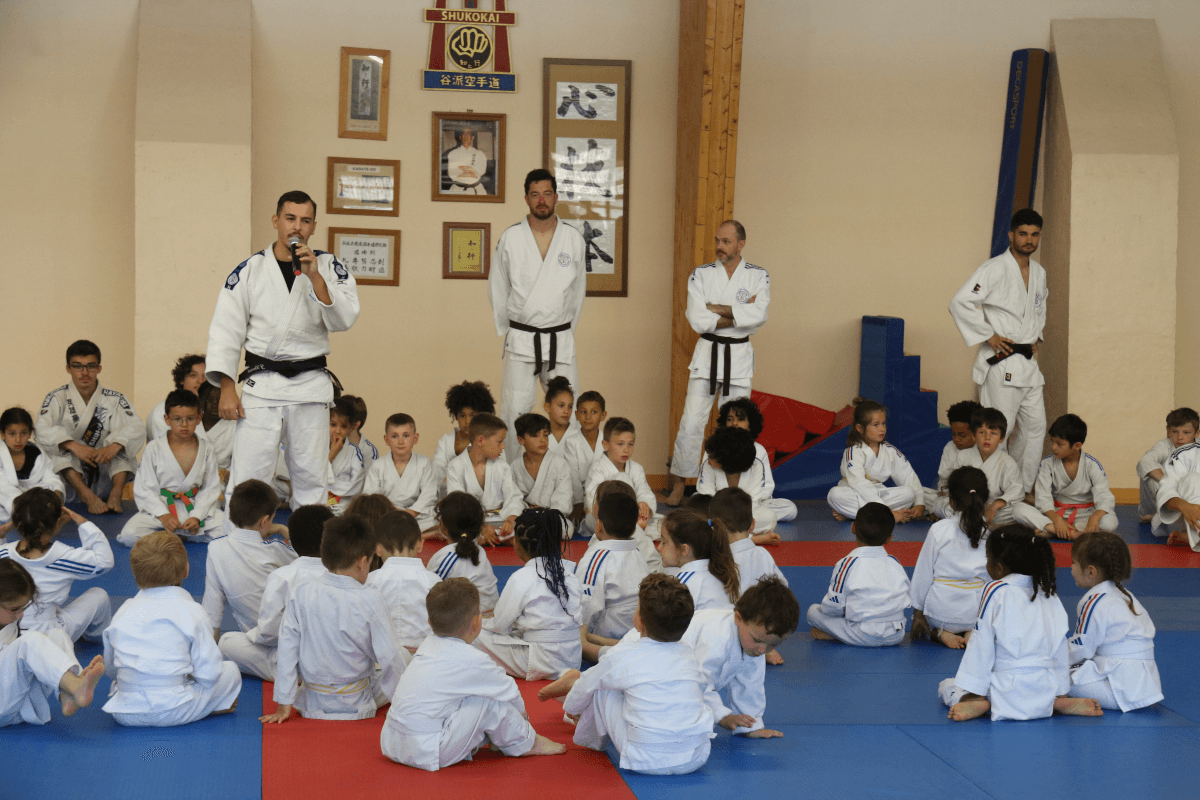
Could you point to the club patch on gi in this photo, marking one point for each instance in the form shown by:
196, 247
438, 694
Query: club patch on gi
234, 276
564, 260
1008, 376
743, 295
976, 289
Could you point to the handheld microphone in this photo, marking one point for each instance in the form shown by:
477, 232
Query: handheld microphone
293, 243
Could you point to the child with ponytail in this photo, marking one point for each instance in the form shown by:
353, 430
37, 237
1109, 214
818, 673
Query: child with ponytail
1113, 643
867, 463
1015, 664
461, 519
39, 516
952, 568
535, 632
699, 549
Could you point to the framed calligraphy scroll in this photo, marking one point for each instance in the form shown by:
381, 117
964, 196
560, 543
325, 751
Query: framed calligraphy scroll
466, 249
585, 141
372, 256
363, 94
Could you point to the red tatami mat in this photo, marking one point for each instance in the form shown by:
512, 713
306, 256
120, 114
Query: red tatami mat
503, 555
826, 554
322, 758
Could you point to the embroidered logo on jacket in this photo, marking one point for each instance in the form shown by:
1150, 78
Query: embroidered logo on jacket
564, 260
743, 296
234, 276
976, 289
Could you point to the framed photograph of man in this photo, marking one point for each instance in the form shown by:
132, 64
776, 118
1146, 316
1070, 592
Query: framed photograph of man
363, 96
372, 255
468, 157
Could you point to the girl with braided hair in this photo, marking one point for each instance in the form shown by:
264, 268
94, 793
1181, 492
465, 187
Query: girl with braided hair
1015, 664
1113, 642
535, 631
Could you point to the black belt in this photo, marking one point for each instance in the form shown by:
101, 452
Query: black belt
1017, 349
537, 342
288, 369
712, 372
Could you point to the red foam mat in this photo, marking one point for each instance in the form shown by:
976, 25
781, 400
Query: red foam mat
503, 555
826, 554
322, 758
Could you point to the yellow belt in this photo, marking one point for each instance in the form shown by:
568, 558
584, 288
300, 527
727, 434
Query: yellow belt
353, 688
961, 583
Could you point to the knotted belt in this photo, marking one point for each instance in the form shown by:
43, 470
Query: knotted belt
712, 372
288, 369
537, 342
1017, 350
1071, 510
183, 497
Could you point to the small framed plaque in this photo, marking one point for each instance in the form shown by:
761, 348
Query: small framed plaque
363, 96
371, 256
367, 186
466, 249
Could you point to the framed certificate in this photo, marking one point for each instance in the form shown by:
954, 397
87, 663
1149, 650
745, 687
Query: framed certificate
372, 256
367, 186
466, 249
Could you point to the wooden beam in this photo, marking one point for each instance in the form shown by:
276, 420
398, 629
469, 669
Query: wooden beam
710, 69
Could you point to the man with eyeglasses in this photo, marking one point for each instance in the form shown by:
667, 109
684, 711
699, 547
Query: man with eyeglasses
91, 434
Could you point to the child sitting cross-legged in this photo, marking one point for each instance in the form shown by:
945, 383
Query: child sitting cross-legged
347, 470
452, 699
960, 451
406, 478
463, 401
22, 465
482, 472
611, 571
699, 550
402, 579
617, 464
1182, 425
461, 518
1005, 487
543, 474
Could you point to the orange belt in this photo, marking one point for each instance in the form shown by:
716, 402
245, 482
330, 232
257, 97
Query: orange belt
1068, 511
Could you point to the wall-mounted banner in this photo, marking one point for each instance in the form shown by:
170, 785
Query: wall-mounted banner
464, 43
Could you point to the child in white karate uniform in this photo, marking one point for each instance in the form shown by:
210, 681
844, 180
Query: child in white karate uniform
1015, 664
22, 464
484, 473
238, 565
1182, 425
867, 463
541, 472
868, 592
347, 469
177, 487
1071, 494
452, 699
611, 571
649, 696
1112, 648
357, 408
406, 478
402, 579
1005, 486
39, 516
952, 568
255, 651
338, 656
698, 549
159, 650
960, 451
187, 374
742, 412
534, 633
732, 461
583, 443
463, 401
617, 464
559, 405
461, 519
32, 665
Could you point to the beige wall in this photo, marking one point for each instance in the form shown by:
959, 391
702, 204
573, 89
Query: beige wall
66, 202
869, 143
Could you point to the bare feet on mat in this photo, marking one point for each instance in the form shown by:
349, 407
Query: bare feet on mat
1178, 539
774, 659
675, 494
114, 503
771, 538
546, 747
971, 708
78, 690
838, 516
817, 633
560, 687
1078, 707
94, 504
1145, 520
952, 640
229, 710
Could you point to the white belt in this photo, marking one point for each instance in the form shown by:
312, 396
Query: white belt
1033, 662
130, 677
1135, 650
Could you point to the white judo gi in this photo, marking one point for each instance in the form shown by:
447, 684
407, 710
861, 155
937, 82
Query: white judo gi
936, 500
1181, 478
344, 478
1004, 483
759, 483
531, 634
603, 469
863, 474
610, 572
442, 457
446, 564
255, 310
722, 365
580, 455
156, 426
1155, 458
500, 496
949, 577
256, 650
754, 563
544, 294
31, 665
561, 448
334, 632
403, 584
995, 300
160, 487
36, 472
1112, 651
1017, 656
707, 590
451, 700
415, 489
236, 570
554, 486
1074, 500
53, 573
108, 418
165, 666
649, 698
866, 600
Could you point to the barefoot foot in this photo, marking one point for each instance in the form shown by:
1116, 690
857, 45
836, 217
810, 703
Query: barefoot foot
774, 659
78, 690
114, 504
817, 633
229, 710
771, 538
838, 517
1145, 520
970, 709
952, 640
1178, 539
94, 504
560, 687
546, 747
1078, 707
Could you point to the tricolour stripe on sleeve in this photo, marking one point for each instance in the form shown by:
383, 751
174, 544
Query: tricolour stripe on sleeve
1085, 615
989, 591
593, 569
840, 583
